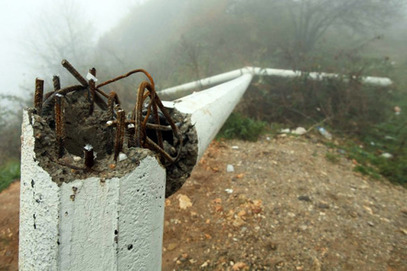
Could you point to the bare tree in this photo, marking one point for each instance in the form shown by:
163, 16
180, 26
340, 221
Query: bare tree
191, 51
312, 18
304, 23
61, 31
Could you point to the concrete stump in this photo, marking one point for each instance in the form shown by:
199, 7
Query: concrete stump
97, 223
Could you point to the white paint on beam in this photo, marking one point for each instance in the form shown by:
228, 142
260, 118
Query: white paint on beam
39, 212
210, 109
255, 71
92, 224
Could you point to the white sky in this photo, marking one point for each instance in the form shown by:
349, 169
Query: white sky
15, 19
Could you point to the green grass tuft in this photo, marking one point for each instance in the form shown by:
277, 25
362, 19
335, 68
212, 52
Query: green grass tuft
9, 172
240, 127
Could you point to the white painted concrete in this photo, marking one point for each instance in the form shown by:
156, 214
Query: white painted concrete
185, 89
209, 109
92, 224
39, 201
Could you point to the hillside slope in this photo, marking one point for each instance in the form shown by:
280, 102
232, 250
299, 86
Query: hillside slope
285, 208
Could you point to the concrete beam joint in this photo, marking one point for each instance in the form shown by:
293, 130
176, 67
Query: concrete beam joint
184, 89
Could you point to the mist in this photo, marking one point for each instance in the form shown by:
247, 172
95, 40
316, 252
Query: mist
23, 20
201, 39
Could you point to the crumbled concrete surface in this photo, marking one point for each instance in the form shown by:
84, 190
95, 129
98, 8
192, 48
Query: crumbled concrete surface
180, 171
82, 129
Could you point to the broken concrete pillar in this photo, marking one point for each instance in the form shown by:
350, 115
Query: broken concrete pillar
108, 219
93, 181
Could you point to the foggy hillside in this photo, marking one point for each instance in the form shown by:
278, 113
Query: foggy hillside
183, 40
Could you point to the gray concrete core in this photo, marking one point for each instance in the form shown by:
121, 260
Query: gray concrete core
180, 171
82, 129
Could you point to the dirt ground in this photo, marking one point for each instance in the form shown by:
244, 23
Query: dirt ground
9, 210
284, 207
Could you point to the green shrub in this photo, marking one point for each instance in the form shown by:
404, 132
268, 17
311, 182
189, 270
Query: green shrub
349, 107
241, 127
9, 172
395, 170
371, 163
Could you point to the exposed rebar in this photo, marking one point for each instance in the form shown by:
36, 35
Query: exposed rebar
59, 124
147, 114
89, 156
92, 91
56, 82
127, 75
74, 72
39, 93
112, 100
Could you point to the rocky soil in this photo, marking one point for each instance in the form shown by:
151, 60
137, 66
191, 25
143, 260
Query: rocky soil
284, 207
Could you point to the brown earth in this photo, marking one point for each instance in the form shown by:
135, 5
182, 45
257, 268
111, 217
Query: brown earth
9, 210
285, 207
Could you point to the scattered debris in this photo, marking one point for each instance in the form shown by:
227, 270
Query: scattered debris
299, 131
205, 264
316, 265
324, 133
76, 158
230, 168
184, 201
387, 155
304, 198
122, 157
397, 110
239, 266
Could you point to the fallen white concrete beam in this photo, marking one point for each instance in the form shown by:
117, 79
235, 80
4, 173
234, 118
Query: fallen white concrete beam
185, 89
209, 109
90, 224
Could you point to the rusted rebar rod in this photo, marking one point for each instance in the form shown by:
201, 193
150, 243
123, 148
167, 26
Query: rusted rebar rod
111, 101
127, 75
39, 93
56, 82
59, 124
65, 63
89, 156
92, 91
